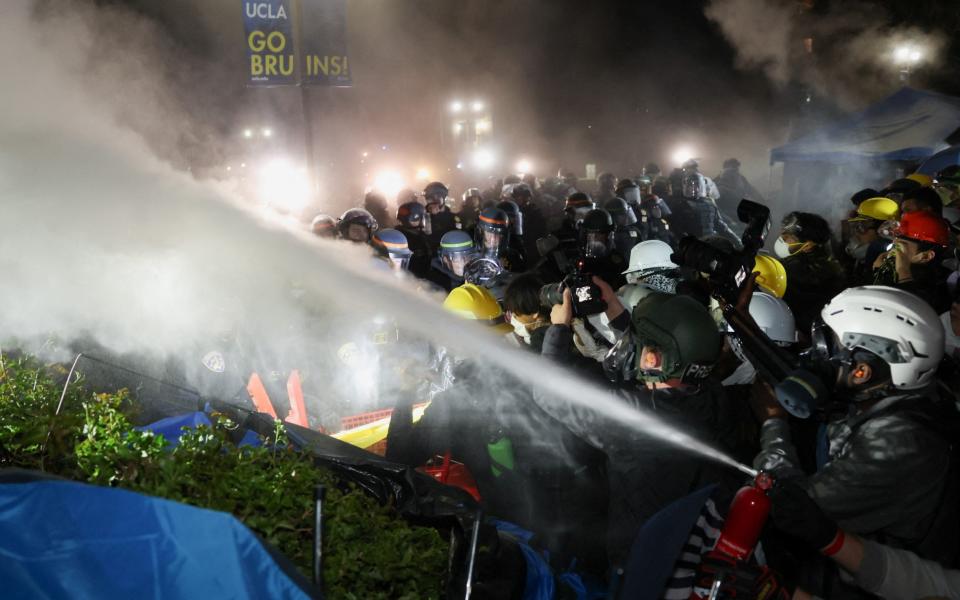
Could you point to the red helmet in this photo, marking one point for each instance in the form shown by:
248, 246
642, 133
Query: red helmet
924, 227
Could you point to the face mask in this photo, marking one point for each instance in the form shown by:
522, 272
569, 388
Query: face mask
521, 330
660, 282
857, 251
782, 248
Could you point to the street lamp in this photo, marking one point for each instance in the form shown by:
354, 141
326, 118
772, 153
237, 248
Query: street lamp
524, 166
267, 132
681, 155
456, 106
907, 57
477, 106
248, 133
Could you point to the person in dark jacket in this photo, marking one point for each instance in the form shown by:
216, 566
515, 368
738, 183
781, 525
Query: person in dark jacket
376, 205
534, 221
410, 217
693, 213
813, 275
677, 345
440, 219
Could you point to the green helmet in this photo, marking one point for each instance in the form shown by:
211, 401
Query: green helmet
684, 332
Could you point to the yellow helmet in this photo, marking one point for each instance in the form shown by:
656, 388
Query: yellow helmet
476, 303
879, 209
772, 276
923, 180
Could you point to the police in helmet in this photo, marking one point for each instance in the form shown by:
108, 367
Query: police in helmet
606, 184
626, 233
455, 253
441, 220
596, 238
470, 208
492, 232
376, 205
324, 226
391, 246
410, 220
356, 225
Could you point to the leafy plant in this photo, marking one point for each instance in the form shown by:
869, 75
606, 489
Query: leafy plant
369, 551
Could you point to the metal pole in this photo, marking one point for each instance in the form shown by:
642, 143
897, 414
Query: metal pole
318, 496
472, 556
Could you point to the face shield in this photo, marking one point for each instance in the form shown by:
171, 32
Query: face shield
691, 187
399, 262
456, 262
631, 195
516, 223
491, 242
596, 244
358, 233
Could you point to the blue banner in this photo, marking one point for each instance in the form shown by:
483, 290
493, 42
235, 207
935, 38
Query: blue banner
324, 43
268, 25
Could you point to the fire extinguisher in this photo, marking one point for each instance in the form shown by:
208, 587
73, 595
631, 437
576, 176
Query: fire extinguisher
741, 529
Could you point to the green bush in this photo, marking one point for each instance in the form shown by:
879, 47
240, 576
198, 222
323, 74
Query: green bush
370, 552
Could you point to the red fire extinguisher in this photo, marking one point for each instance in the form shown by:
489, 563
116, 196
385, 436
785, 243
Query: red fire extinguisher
741, 529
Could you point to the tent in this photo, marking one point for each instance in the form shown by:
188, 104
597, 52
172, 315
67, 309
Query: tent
62, 539
910, 125
870, 148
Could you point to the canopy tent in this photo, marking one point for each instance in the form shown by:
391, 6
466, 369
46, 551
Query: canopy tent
910, 125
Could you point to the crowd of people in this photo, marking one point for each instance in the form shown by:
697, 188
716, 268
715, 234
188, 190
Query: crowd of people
867, 492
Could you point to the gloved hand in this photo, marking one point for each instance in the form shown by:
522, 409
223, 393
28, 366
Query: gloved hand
796, 514
738, 579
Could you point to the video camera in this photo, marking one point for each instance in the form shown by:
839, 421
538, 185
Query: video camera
726, 271
585, 294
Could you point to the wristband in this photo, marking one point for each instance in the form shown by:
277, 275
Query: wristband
834, 546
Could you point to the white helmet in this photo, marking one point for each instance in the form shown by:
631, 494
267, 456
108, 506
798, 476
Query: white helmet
895, 325
651, 254
774, 318
631, 294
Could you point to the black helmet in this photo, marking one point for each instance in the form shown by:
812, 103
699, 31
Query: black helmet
472, 193
629, 191
731, 163
521, 194
808, 227
577, 205
512, 180
651, 169
624, 183
606, 181
492, 232
410, 214
374, 201
513, 215
356, 216
621, 212
436, 193
324, 226
683, 331
596, 233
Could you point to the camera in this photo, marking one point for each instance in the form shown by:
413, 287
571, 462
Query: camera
585, 294
727, 271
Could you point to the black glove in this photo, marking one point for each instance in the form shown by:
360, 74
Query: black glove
738, 579
796, 514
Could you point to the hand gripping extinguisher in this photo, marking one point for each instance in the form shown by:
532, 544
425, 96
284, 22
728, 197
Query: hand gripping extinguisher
741, 531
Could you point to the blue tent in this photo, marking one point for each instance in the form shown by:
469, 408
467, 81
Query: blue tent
910, 125
61, 539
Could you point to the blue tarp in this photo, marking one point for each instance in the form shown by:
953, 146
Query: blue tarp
940, 160
61, 539
910, 125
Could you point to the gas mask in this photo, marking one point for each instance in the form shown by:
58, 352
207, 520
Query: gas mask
834, 362
620, 363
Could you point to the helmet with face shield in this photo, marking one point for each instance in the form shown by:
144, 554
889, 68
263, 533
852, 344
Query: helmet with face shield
514, 216
628, 190
392, 246
693, 185
492, 232
456, 251
596, 234
356, 225
577, 205
411, 215
623, 215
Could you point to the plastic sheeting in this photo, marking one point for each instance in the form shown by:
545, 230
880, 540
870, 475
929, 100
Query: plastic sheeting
939, 161
910, 125
61, 539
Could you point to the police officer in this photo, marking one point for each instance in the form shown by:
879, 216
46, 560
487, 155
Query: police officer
534, 221
410, 218
626, 234
516, 248
441, 220
448, 267
356, 225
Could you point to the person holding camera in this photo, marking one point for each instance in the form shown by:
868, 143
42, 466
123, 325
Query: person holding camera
677, 345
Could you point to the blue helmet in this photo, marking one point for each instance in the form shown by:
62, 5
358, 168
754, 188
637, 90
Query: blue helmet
392, 246
456, 250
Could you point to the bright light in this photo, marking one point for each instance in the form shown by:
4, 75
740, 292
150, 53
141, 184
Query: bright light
423, 173
459, 165
243, 165
484, 159
229, 168
364, 154
389, 183
248, 133
906, 54
681, 155
457, 128
524, 166
267, 132
477, 106
284, 186
456, 106
483, 126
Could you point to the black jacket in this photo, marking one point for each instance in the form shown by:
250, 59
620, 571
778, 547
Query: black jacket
813, 279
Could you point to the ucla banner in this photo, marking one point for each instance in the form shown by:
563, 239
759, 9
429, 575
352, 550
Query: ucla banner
268, 25
323, 44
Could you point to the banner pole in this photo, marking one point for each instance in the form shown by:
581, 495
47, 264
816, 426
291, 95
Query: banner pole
305, 108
